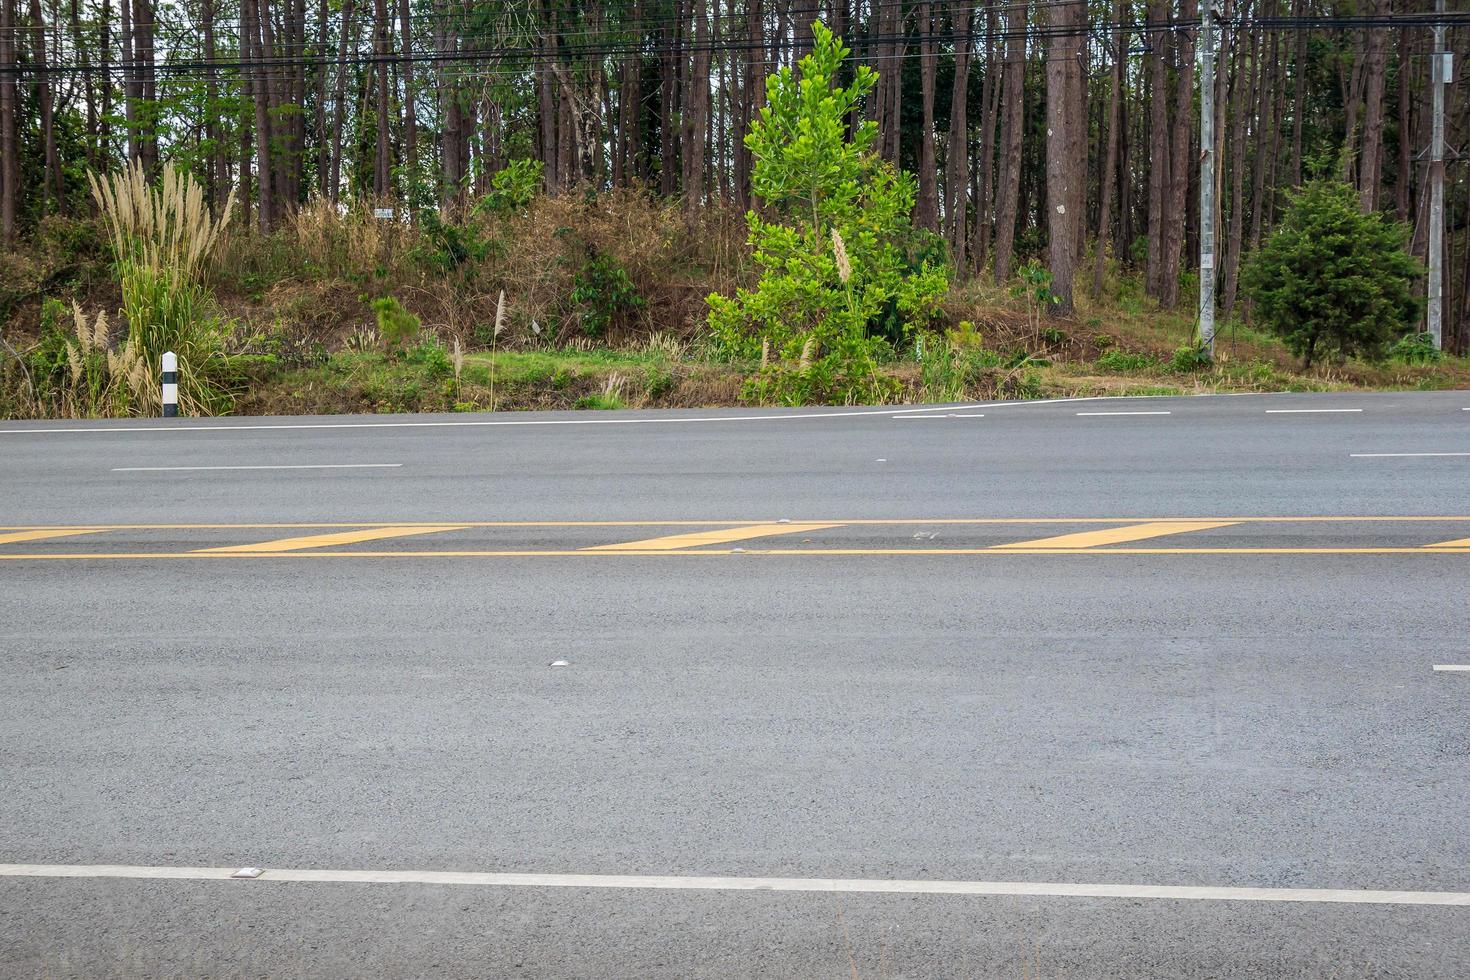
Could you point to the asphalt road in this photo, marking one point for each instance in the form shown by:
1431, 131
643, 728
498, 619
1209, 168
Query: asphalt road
1006, 643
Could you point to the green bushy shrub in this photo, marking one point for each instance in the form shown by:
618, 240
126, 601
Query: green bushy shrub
1332, 280
1416, 348
396, 325
602, 291
842, 276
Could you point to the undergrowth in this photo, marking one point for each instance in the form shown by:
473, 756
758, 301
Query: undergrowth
595, 287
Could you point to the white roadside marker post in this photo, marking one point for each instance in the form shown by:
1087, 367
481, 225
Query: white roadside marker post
170, 385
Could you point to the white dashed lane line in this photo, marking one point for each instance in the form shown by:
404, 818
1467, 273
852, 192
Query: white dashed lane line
297, 466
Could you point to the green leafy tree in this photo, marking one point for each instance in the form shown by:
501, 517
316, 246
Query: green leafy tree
1331, 280
833, 243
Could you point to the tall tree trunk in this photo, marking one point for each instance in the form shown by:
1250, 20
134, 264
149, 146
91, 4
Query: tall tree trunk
894, 78
1260, 194
298, 105
546, 104
1107, 179
104, 63
215, 170
87, 81
956, 170
243, 122
51, 185
1132, 123
804, 15
143, 30
752, 86
250, 17
323, 163
1299, 100
410, 112
339, 98
1247, 58
383, 159
696, 116
927, 205
10, 189
277, 95
130, 79
630, 110
1182, 130
1065, 173
1012, 127
1160, 159
990, 91
668, 109
1370, 167
452, 162
1404, 179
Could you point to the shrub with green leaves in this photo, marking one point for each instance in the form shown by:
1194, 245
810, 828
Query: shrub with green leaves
445, 246
838, 255
1332, 281
602, 290
513, 188
396, 325
1416, 348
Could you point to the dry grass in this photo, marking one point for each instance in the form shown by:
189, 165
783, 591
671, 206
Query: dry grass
162, 238
327, 261
101, 382
167, 230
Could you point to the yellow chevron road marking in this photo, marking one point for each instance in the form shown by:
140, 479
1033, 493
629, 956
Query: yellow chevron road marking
19, 536
327, 540
753, 553
1117, 535
1460, 543
678, 542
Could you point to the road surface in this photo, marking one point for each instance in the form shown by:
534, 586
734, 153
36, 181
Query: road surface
1120, 688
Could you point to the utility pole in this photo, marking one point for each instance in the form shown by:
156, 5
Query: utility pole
1207, 178
1439, 76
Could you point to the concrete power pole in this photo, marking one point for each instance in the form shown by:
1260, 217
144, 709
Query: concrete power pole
1207, 178
1439, 76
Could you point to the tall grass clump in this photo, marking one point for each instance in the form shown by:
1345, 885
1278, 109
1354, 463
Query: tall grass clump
161, 239
101, 382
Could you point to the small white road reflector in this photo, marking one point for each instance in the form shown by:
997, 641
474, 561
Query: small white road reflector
737, 551
784, 520
559, 663
248, 873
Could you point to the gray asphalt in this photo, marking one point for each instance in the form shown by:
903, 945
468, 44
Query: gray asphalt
1265, 720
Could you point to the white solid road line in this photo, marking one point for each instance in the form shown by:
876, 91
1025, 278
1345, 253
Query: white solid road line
948, 415
301, 466
1125, 413
1309, 411
1042, 889
190, 426
1400, 455
1452, 667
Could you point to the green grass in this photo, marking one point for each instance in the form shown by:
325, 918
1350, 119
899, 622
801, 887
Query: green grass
530, 367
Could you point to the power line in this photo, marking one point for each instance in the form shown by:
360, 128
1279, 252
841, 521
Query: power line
529, 57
